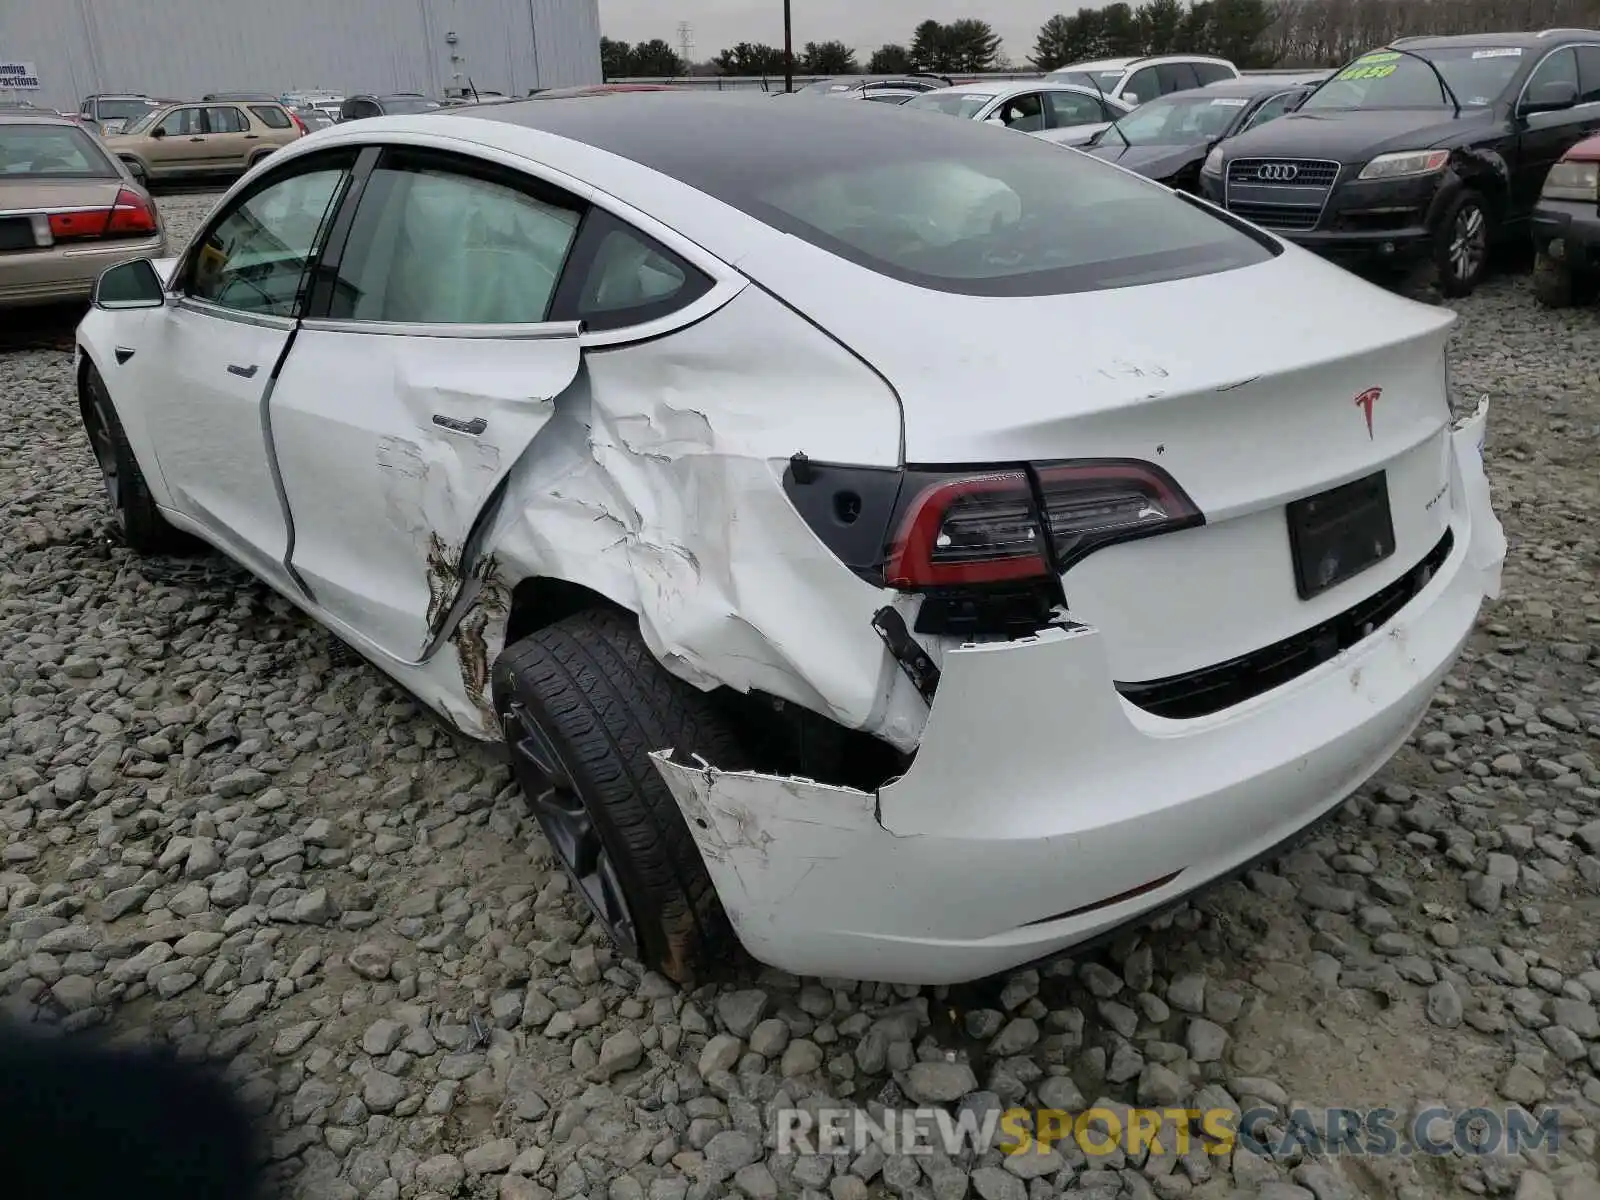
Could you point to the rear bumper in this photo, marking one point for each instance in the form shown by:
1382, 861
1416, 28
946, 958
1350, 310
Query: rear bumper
57, 274
1568, 230
1043, 810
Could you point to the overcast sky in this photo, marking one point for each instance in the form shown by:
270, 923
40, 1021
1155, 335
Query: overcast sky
864, 24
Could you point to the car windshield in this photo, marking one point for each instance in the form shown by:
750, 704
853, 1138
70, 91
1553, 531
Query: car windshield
955, 104
1177, 121
824, 86
409, 104
51, 150
1013, 217
1100, 81
1388, 79
121, 110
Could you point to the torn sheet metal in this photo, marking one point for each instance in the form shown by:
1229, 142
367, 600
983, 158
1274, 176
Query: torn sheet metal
659, 486
952, 872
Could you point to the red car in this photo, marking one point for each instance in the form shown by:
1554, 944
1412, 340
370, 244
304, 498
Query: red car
1566, 229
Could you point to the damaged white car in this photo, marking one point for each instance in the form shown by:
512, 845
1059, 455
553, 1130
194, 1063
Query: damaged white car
906, 550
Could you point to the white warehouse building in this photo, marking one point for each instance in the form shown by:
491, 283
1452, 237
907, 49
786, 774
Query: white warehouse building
55, 52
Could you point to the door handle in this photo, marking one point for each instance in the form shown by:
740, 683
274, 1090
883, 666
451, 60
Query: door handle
197, 138
242, 372
250, 137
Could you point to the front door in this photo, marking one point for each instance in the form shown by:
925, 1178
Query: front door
212, 356
180, 146
1545, 136
397, 417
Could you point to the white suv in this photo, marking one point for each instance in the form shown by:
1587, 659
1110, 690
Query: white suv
1136, 80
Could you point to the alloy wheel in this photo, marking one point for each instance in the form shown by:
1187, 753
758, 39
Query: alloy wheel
105, 450
1469, 242
568, 826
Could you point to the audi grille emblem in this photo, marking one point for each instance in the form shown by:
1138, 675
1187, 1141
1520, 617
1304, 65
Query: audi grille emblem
1277, 172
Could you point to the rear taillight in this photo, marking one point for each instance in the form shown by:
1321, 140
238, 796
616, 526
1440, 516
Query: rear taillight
130, 215
1004, 526
968, 530
299, 124
1094, 503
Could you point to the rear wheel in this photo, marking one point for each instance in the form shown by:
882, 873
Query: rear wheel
1557, 285
133, 511
582, 703
1461, 243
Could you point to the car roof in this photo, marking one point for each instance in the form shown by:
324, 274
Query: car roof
1524, 39
1247, 86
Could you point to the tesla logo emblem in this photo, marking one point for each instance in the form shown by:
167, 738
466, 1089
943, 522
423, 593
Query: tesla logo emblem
1278, 172
1364, 402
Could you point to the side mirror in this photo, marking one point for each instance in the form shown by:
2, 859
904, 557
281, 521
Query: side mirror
1549, 97
129, 285
158, 132
1132, 98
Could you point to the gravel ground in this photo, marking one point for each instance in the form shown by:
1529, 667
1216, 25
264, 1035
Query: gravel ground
215, 837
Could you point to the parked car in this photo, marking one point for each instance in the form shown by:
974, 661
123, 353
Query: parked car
68, 210
312, 119
1428, 150
242, 97
1137, 80
1168, 139
198, 139
861, 88
1566, 229
1060, 112
1186, 576
109, 113
357, 108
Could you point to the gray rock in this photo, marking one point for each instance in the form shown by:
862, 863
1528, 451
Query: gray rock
939, 1082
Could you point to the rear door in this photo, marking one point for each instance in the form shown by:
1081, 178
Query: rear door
431, 368
1176, 77
229, 138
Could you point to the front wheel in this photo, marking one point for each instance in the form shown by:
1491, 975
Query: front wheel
133, 511
1461, 244
582, 703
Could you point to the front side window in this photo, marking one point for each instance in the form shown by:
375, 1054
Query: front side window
1143, 86
183, 122
1271, 109
1023, 113
431, 246
1073, 108
1388, 79
1560, 67
255, 259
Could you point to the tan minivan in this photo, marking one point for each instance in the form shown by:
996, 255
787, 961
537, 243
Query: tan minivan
197, 139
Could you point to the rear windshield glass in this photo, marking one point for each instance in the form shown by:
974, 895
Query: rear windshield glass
408, 104
956, 104
1388, 79
987, 215
51, 150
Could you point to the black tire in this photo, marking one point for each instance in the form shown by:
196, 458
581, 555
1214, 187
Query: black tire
1552, 282
1461, 243
582, 703
133, 511
138, 172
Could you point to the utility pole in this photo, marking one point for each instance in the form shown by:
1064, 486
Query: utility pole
788, 49
686, 43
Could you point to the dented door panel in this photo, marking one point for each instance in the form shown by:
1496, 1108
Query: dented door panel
389, 447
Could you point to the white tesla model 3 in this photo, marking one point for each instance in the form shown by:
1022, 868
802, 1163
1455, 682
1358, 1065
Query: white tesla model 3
907, 550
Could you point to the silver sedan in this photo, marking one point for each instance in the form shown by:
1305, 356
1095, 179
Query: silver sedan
1066, 113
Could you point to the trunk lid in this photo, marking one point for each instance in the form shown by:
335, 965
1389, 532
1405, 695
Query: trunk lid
1242, 385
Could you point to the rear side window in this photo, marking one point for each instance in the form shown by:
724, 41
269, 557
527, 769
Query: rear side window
225, 119
63, 151
619, 277
273, 118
